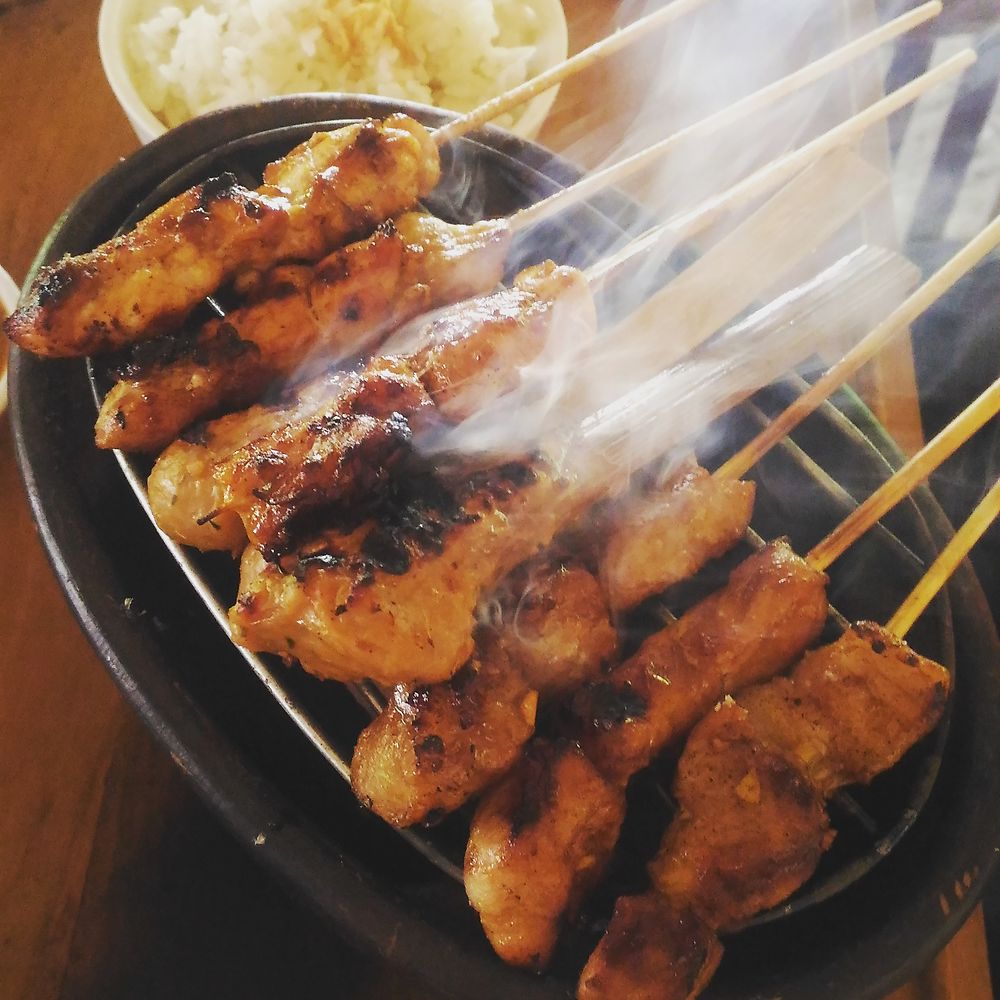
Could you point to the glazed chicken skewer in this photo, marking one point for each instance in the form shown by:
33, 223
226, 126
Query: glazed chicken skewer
470, 355
752, 783
773, 607
525, 878
434, 746
334, 187
303, 317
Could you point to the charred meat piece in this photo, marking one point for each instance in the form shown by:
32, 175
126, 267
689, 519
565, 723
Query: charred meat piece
540, 840
339, 451
772, 608
395, 599
185, 497
306, 461
667, 535
476, 723
556, 626
301, 319
335, 186
652, 951
434, 746
753, 778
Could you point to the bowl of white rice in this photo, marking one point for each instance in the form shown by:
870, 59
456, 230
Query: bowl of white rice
169, 62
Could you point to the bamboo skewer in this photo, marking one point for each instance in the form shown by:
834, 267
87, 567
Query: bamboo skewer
898, 321
574, 64
946, 563
768, 177
918, 468
748, 105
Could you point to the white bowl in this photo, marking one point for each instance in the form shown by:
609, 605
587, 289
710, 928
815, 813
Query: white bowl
117, 16
9, 293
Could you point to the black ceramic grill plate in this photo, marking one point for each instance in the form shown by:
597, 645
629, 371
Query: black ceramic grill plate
267, 780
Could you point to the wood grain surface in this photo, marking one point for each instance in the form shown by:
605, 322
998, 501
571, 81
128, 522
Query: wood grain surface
114, 880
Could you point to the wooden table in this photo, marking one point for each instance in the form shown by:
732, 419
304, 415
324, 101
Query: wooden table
114, 880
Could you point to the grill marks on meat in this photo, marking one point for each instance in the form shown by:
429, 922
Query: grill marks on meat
345, 444
335, 186
302, 318
485, 713
649, 702
185, 497
399, 605
341, 452
751, 785
667, 535
772, 608
539, 842
434, 746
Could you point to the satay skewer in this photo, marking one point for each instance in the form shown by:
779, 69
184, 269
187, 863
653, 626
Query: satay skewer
333, 187
469, 356
847, 712
772, 608
339, 310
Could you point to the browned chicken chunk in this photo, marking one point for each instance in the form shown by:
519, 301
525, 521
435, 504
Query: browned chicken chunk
773, 606
751, 786
184, 496
481, 717
302, 319
434, 746
335, 186
395, 599
556, 626
660, 538
540, 839
652, 951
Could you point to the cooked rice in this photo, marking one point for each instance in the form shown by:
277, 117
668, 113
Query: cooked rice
189, 57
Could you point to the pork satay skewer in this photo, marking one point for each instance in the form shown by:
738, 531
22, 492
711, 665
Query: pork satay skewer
666, 518
771, 609
361, 292
753, 781
334, 187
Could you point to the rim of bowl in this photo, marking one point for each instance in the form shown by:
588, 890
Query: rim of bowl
552, 48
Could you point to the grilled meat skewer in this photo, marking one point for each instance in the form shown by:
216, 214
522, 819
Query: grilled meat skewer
457, 362
657, 540
771, 609
301, 318
434, 746
333, 187
751, 785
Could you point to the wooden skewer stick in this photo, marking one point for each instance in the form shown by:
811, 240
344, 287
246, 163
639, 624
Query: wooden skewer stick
898, 321
918, 468
582, 60
742, 265
748, 105
946, 563
773, 175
